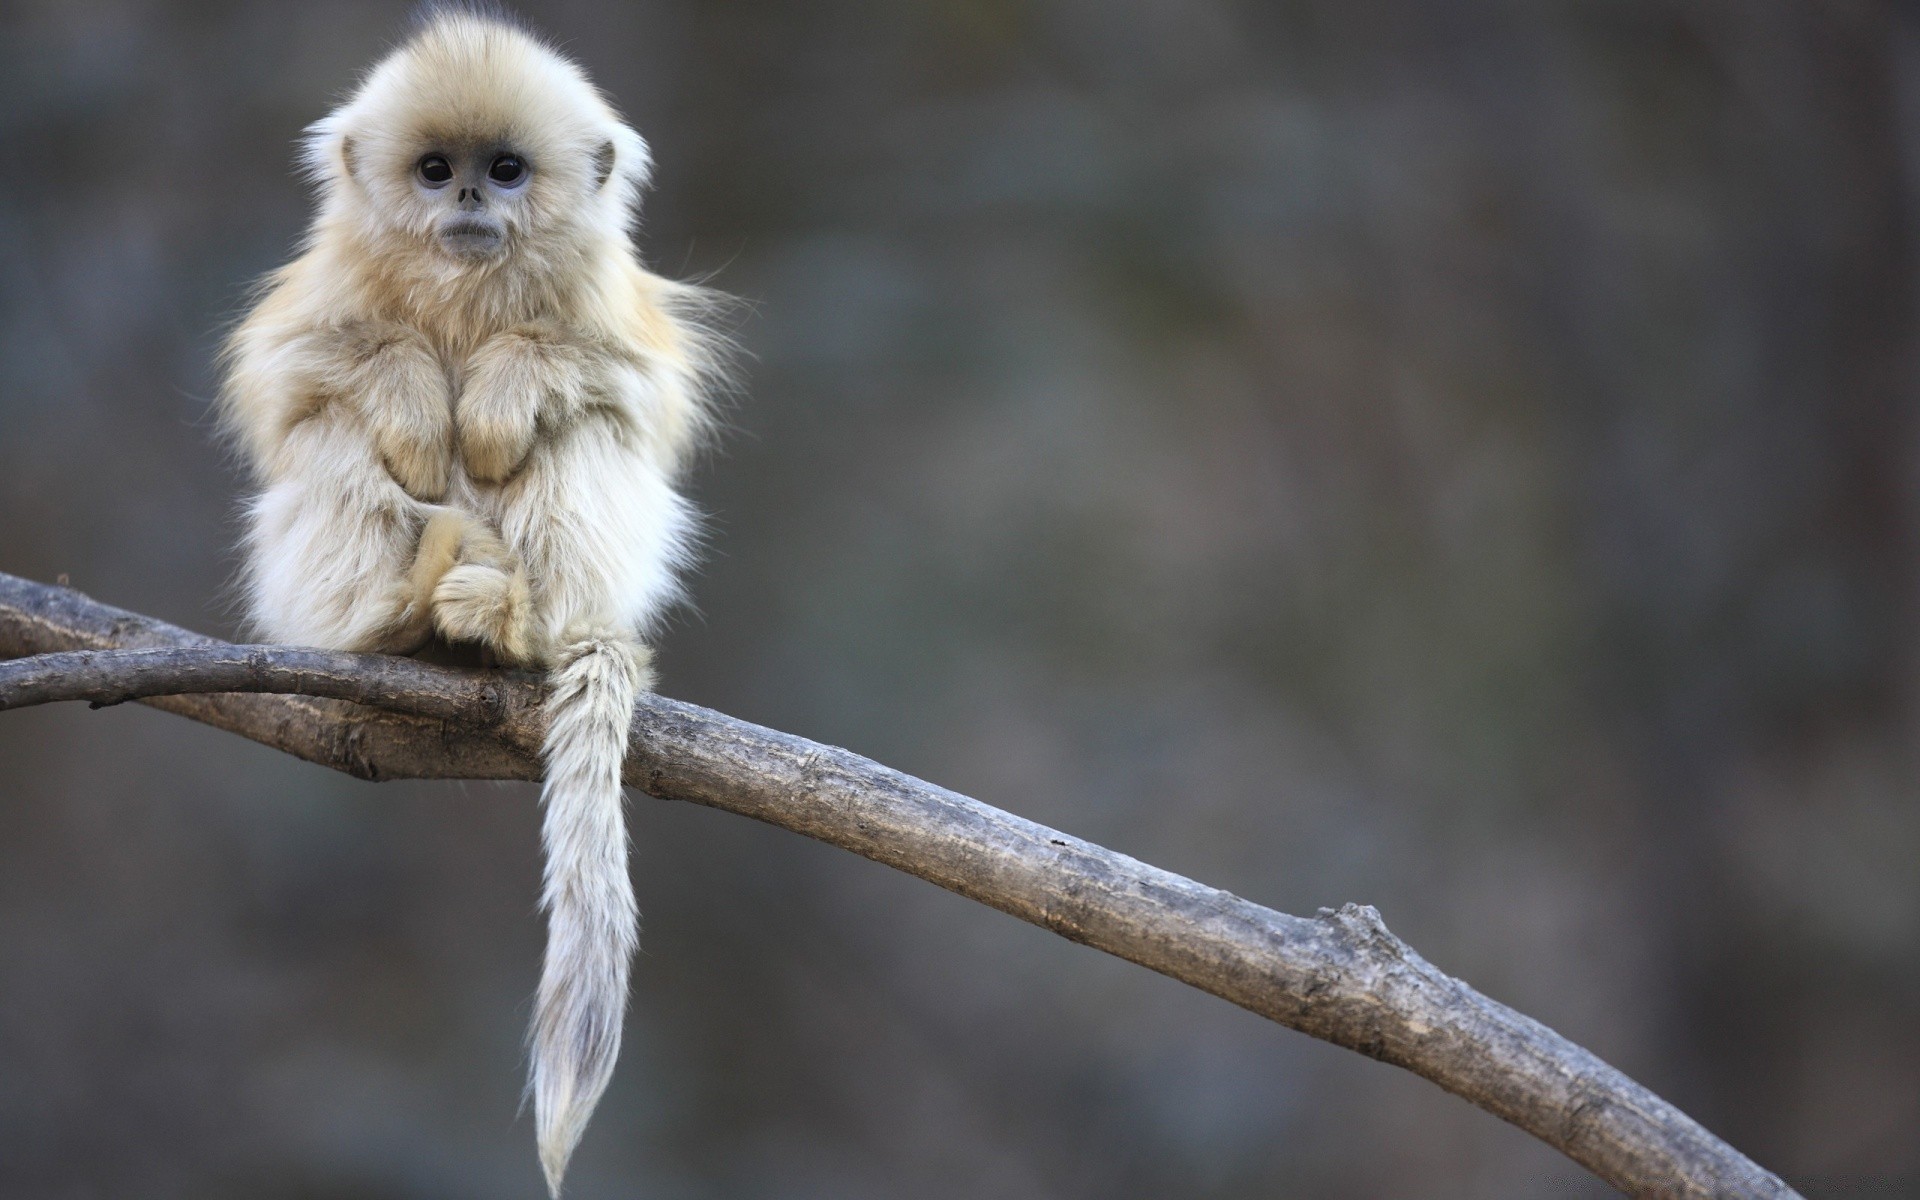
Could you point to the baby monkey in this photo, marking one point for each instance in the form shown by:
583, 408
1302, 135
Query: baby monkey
465, 406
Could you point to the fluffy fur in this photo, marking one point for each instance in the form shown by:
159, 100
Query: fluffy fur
465, 419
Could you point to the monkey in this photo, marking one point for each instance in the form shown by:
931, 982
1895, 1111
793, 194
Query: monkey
465, 407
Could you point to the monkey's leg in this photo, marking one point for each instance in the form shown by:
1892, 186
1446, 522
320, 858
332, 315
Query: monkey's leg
598, 526
332, 545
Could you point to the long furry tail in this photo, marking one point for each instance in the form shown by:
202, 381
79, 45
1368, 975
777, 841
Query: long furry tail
592, 921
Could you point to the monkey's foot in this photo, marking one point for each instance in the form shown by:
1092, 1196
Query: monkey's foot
494, 446
413, 428
511, 379
421, 468
493, 419
475, 602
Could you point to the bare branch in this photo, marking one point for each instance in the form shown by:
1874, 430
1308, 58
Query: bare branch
404, 685
1340, 976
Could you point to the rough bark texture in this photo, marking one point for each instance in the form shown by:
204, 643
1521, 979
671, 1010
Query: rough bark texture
1340, 976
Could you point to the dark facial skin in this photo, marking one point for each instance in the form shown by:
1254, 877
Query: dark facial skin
472, 187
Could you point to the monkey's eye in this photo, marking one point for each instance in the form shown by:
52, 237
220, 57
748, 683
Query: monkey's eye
507, 170
435, 170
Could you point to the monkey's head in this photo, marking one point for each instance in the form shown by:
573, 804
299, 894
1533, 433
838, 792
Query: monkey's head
478, 145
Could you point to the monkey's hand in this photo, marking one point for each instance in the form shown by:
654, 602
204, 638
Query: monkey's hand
404, 399
516, 382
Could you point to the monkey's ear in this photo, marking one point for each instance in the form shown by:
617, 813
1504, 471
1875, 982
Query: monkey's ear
602, 164
346, 154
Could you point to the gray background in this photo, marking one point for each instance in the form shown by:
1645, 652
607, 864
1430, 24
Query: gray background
1459, 457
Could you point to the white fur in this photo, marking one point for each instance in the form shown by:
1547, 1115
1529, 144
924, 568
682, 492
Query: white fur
486, 451
593, 925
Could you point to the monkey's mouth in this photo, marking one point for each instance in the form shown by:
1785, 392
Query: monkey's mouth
472, 239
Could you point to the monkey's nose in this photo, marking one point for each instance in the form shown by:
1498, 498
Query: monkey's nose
471, 199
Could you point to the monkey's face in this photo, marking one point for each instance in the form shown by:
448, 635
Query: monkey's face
474, 151
471, 194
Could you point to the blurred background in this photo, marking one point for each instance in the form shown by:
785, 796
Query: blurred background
1458, 457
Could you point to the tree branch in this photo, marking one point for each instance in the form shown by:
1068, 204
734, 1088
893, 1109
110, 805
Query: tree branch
1340, 976
403, 685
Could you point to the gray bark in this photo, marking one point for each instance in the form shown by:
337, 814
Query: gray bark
1339, 976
